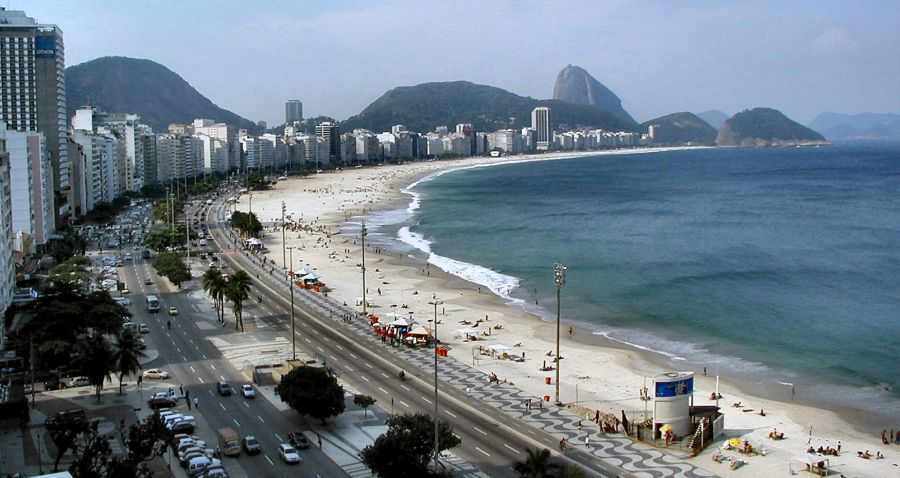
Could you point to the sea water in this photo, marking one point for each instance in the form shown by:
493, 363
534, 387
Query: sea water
780, 265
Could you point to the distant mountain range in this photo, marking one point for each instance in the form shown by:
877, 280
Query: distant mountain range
860, 126
765, 127
577, 86
681, 128
714, 118
425, 106
131, 85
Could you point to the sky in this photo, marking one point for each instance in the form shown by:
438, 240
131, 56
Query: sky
802, 57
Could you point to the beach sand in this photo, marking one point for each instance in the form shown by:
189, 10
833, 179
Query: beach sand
609, 376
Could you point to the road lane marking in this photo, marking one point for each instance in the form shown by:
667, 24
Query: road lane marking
404, 404
192, 368
385, 375
482, 451
383, 390
260, 419
369, 365
448, 412
210, 393
212, 366
223, 407
269, 459
223, 378
184, 357
480, 431
279, 438
333, 358
339, 346
306, 339
404, 387
319, 349
364, 378
246, 404
511, 448
236, 422
353, 355
423, 398
201, 379
204, 357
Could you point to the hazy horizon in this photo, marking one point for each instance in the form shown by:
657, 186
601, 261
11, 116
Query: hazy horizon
803, 58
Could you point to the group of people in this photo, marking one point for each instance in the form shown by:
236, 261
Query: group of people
868, 456
825, 450
894, 437
775, 435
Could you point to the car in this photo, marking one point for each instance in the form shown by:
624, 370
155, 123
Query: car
125, 291
213, 257
186, 453
199, 464
212, 265
288, 453
299, 440
214, 471
144, 328
224, 389
247, 391
183, 426
170, 419
161, 402
79, 382
148, 281
122, 301
251, 445
73, 412
155, 373
173, 310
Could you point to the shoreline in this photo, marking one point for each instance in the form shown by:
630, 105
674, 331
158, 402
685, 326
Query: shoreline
612, 373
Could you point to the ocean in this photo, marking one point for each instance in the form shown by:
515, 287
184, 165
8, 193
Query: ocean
773, 266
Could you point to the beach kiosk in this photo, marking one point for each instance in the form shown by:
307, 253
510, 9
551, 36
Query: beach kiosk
672, 403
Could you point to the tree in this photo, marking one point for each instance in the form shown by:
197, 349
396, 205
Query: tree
126, 358
162, 238
407, 446
91, 454
246, 223
312, 391
215, 285
536, 465
144, 441
63, 430
237, 291
169, 264
95, 356
363, 401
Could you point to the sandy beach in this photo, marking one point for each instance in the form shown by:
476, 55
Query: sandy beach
608, 376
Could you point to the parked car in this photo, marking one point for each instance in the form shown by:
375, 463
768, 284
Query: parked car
79, 382
183, 426
161, 402
73, 412
247, 391
224, 389
299, 440
155, 373
144, 328
173, 310
288, 453
200, 464
148, 281
214, 471
251, 445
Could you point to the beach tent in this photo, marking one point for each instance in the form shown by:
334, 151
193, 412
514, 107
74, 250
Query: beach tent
499, 347
813, 463
419, 330
304, 271
254, 241
401, 323
467, 331
393, 315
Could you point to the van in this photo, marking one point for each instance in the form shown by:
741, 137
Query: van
229, 444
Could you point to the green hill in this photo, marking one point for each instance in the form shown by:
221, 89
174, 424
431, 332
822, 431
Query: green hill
130, 85
682, 128
423, 107
765, 127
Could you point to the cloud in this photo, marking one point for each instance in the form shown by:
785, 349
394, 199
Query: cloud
834, 41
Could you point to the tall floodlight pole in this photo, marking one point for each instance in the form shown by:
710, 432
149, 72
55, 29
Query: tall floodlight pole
362, 234
559, 278
250, 214
436, 303
291, 287
283, 243
187, 232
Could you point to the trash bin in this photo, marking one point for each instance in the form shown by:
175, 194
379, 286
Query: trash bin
548, 380
546, 398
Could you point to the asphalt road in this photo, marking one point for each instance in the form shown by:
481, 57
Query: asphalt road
197, 365
491, 439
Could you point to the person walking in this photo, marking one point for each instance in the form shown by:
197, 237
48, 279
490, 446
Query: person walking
196, 403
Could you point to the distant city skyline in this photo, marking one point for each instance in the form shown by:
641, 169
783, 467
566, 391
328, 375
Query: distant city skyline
802, 58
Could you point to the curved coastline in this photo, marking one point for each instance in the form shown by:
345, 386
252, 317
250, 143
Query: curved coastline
625, 365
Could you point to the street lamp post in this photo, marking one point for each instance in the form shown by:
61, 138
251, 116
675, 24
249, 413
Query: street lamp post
283, 243
250, 213
362, 234
559, 278
291, 287
436, 303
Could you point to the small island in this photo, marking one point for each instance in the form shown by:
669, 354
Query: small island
761, 127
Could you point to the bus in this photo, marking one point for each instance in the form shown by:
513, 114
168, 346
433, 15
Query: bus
152, 304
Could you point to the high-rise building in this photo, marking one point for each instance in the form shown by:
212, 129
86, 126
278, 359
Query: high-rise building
293, 111
7, 266
33, 92
31, 192
331, 133
540, 122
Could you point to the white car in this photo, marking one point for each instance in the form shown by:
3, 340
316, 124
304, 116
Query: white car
155, 373
247, 391
288, 453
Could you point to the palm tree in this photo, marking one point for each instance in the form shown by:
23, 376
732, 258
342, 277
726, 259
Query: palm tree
96, 359
237, 291
214, 284
126, 357
536, 465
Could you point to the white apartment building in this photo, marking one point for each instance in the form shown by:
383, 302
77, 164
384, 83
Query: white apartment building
222, 155
7, 265
31, 187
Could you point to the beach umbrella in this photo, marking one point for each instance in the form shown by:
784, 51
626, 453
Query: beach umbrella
419, 330
468, 331
501, 347
401, 323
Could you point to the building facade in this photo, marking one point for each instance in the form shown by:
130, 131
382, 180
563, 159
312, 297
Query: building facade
293, 111
540, 123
